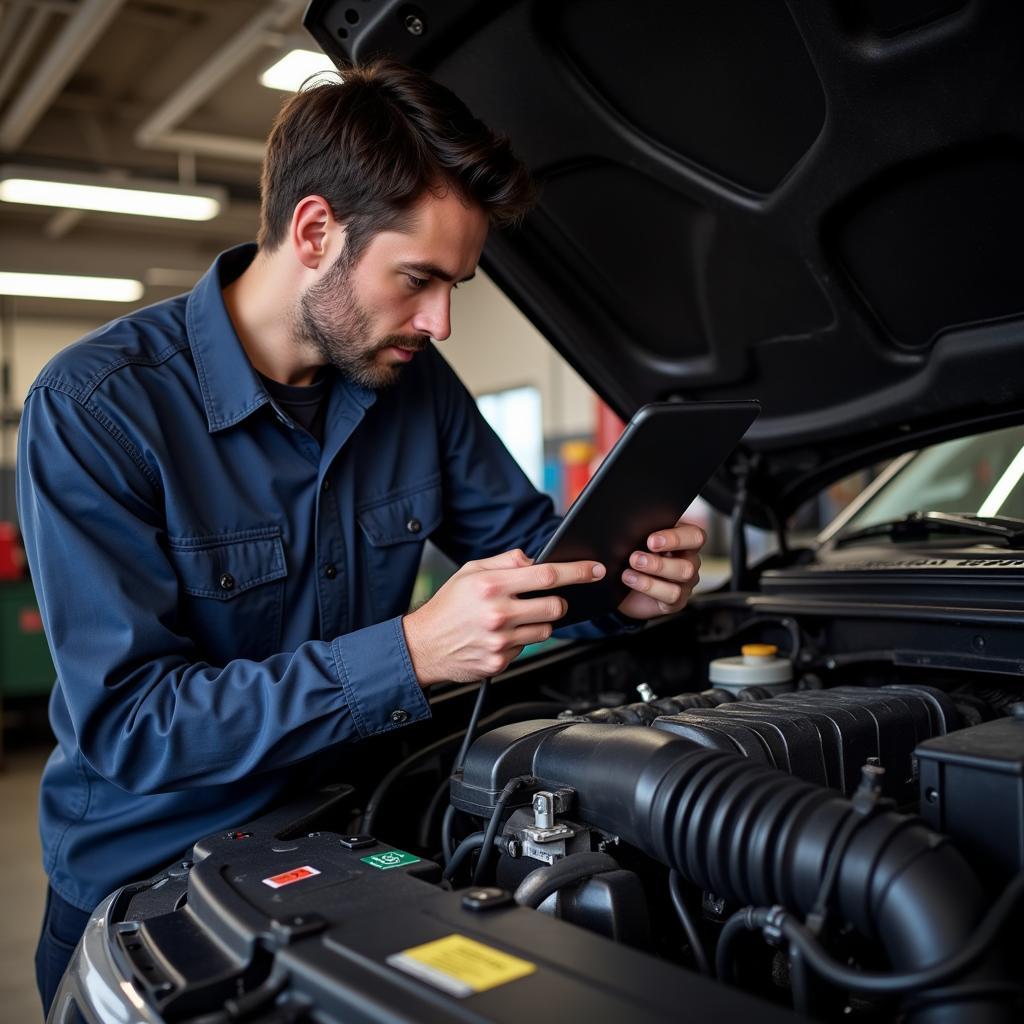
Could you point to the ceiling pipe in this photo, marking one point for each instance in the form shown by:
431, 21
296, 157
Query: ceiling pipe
52, 73
25, 27
206, 144
159, 130
53, 6
10, 25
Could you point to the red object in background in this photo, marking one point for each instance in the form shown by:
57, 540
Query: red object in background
30, 621
580, 458
576, 461
12, 558
607, 429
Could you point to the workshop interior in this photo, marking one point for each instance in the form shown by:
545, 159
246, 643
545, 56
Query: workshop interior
802, 797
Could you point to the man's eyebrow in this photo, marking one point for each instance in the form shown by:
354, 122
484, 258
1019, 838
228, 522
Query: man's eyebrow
432, 270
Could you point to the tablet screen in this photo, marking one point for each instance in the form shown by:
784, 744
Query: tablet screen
663, 459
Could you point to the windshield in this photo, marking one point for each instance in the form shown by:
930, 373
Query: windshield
980, 475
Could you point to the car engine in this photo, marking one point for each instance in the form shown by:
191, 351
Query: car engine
873, 822
822, 830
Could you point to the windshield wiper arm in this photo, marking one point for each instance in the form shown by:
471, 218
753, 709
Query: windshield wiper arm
919, 525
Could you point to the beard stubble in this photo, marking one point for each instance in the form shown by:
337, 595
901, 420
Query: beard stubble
331, 321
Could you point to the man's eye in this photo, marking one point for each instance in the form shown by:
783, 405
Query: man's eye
416, 283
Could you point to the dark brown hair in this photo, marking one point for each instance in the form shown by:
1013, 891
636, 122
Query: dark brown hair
373, 144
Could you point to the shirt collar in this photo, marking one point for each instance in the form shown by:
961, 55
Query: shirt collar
230, 386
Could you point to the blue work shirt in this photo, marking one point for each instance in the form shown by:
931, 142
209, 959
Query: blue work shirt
222, 595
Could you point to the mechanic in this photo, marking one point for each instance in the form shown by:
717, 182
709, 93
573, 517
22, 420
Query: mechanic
224, 498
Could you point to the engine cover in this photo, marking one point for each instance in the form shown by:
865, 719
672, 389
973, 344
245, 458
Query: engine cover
825, 736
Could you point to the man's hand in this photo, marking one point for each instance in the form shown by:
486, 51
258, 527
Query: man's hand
663, 577
475, 625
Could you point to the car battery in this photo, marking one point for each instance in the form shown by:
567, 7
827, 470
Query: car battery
972, 789
329, 927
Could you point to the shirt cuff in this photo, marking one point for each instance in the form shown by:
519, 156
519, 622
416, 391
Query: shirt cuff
377, 678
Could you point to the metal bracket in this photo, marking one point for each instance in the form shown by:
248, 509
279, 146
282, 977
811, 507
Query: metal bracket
547, 804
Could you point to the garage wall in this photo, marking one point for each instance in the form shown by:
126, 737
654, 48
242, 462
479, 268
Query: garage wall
35, 342
493, 346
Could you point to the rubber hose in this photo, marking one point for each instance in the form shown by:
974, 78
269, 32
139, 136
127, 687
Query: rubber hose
726, 948
513, 712
474, 721
675, 888
462, 851
799, 936
447, 839
539, 884
433, 806
495, 823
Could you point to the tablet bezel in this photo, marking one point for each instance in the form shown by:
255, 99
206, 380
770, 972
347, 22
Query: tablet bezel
590, 600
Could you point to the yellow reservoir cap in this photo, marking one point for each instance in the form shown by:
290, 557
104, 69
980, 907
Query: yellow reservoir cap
759, 650
758, 665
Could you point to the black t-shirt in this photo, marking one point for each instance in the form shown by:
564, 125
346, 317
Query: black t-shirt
306, 404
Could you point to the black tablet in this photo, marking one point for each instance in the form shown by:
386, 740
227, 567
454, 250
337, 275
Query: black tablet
664, 457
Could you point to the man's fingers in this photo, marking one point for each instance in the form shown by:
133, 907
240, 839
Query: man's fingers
514, 559
669, 581
679, 570
547, 576
536, 610
534, 634
682, 537
658, 589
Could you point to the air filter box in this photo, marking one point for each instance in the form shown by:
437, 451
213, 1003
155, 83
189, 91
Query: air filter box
972, 789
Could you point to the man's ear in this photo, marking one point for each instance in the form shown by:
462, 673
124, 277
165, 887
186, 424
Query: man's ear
316, 236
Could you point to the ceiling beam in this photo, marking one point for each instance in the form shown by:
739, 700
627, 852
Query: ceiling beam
52, 73
160, 129
25, 31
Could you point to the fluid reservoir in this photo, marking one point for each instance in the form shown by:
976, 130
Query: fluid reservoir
757, 665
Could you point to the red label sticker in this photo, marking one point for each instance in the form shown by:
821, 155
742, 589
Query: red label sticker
287, 877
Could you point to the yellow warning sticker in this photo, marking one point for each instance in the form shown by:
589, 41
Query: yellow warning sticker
460, 965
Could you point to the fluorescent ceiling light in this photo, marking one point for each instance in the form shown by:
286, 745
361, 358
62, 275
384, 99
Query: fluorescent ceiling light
41, 187
289, 73
67, 286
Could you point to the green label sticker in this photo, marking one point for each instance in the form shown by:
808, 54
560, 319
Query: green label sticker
391, 859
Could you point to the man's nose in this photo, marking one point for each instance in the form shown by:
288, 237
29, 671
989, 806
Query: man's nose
434, 317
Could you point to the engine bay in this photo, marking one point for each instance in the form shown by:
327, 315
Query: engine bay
746, 807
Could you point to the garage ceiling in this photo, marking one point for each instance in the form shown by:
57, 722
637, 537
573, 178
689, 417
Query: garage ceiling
162, 89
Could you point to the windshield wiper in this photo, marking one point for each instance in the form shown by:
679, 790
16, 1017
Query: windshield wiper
919, 525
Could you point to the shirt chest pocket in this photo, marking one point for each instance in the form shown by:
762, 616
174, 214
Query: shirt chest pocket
394, 530
232, 592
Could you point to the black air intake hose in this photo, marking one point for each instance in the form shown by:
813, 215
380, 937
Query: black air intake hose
754, 836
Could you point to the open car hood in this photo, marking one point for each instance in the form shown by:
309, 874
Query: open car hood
815, 203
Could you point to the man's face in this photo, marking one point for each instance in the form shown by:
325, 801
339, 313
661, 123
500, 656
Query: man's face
371, 318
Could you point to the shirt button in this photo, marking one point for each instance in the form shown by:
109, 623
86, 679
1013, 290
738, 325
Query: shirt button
326, 486
414, 526
330, 572
227, 581
399, 716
